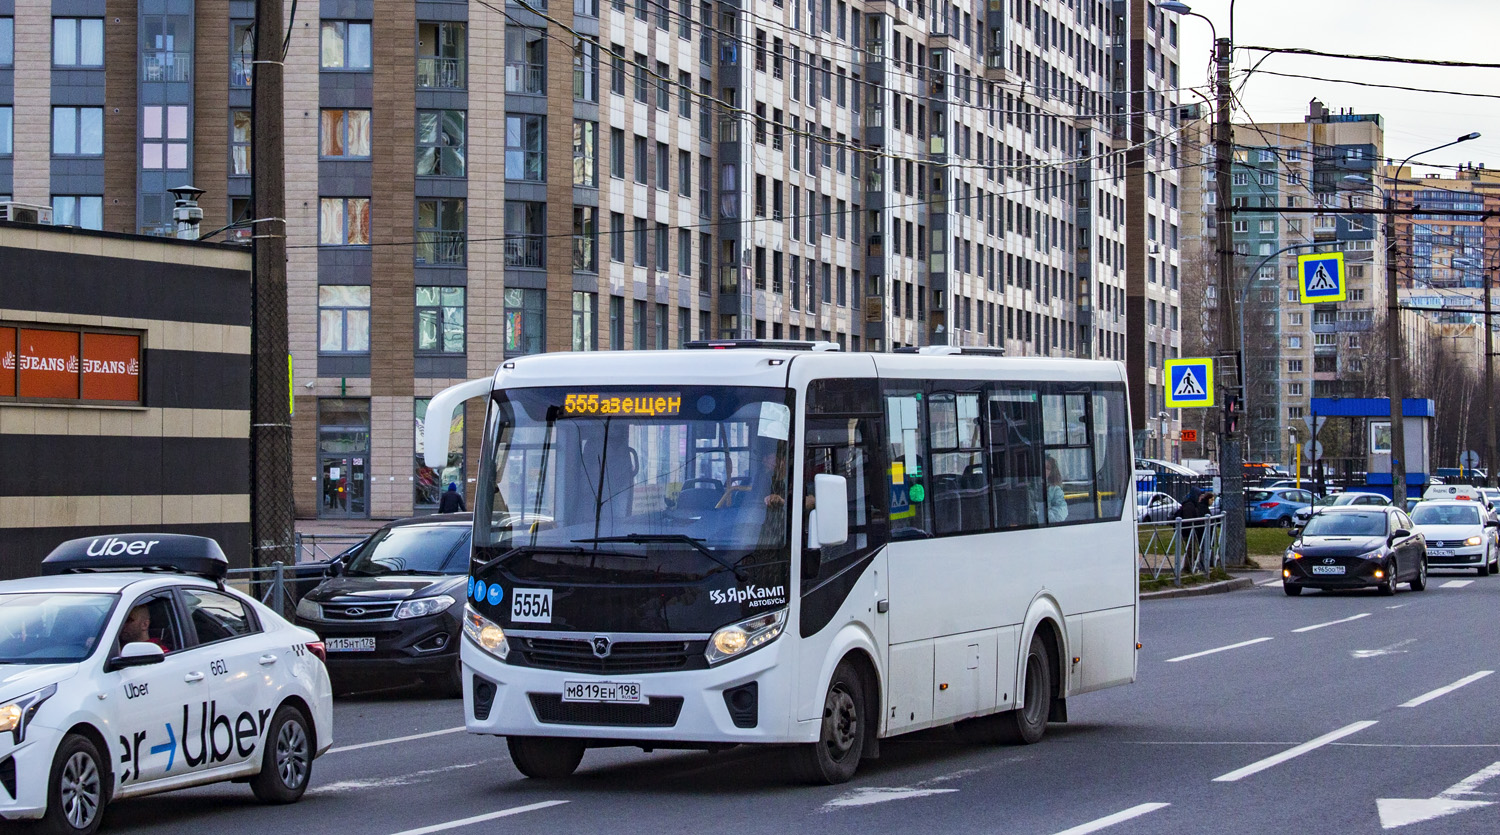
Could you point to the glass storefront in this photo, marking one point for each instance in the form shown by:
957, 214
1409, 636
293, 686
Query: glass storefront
343, 456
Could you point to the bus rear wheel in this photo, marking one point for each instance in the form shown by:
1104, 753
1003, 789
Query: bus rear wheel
841, 741
1028, 723
544, 757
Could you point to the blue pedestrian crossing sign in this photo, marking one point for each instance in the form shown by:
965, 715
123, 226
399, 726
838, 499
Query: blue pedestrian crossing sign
1190, 383
1321, 277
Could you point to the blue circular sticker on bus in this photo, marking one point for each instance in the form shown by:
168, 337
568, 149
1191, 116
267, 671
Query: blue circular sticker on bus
471, 586
479, 591
496, 593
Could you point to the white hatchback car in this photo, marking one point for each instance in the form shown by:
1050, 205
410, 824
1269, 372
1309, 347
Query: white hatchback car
1460, 534
130, 669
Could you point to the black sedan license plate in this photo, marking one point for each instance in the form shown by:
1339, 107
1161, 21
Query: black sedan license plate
1328, 569
618, 692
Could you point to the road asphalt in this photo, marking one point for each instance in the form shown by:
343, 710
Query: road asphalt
1253, 713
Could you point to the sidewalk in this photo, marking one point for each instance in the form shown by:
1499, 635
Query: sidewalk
338, 527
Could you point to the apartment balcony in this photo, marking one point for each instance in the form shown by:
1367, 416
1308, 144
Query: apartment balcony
526, 252
526, 78
442, 249
169, 66
434, 73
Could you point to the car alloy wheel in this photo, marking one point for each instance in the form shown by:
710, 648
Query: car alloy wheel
79, 790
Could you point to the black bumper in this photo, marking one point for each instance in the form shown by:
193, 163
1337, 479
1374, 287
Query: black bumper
416, 647
1358, 573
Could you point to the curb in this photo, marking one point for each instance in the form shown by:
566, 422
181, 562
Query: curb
1206, 588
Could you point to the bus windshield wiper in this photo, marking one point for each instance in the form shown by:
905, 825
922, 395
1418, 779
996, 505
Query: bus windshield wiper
520, 549
679, 538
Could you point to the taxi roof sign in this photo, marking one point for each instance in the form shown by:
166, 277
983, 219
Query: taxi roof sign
1190, 383
1320, 278
181, 553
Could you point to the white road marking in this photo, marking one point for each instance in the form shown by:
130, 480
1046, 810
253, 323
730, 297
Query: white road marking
871, 796
1402, 811
1443, 691
503, 813
394, 740
1392, 649
1397, 606
1455, 584
1332, 622
1111, 820
1217, 649
388, 782
1292, 753
1275, 582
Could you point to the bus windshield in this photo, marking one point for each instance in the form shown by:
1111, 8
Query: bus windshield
612, 484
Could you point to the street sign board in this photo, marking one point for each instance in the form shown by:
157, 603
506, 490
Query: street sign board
1190, 436
1469, 460
1315, 450
1190, 383
1321, 278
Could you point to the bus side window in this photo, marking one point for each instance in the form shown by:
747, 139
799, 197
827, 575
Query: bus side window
907, 478
1068, 468
1111, 451
959, 487
1015, 462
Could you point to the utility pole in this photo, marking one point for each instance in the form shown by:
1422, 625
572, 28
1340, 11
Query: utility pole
1489, 386
1396, 355
271, 526
1231, 473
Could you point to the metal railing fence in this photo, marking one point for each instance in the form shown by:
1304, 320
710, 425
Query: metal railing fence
1181, 547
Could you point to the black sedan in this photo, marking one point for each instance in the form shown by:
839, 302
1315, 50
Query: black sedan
392, 608
1354, 547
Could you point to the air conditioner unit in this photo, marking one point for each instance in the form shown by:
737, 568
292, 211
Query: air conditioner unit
25, 213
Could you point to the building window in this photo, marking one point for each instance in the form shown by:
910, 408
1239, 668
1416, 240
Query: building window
345, 133
585, 70
7, 41
239, 142
638, 320
1294, 389
525, 148
663, 249
442, 56
79, 131
346, 45
583, 322
70, 363
241, 53
617, 237
440, 232
78, 42
1294, 366
343, 319
440, 320
7, 131
344, 221
525, 60
585, 153
640, 242
83, 211
1294, 342
441, 139
616, 70
616, 323
525, 231
432, 483
523, 320
685, 173
641, 162
663, 167
585, 239
685, 252
617, 153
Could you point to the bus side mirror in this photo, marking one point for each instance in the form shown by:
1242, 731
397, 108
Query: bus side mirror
831, 494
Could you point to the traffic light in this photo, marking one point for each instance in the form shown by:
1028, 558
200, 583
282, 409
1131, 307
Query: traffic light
1234, 409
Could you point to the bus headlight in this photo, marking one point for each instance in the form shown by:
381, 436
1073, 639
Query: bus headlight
486, 633
739, 638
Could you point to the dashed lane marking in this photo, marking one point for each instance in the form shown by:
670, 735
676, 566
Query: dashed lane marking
1118, 817
1332, 622
1445, 690
394, 740
503, 813
1217, 649
1293, 753
1455, 584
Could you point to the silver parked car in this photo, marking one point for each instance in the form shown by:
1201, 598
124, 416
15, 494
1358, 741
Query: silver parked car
1152, 506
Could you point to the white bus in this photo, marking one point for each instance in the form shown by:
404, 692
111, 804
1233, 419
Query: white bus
758, 542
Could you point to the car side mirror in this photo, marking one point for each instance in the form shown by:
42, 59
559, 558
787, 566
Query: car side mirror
1294, 532
831, 494
1399, 533
335, 568
1492, 523
136, 654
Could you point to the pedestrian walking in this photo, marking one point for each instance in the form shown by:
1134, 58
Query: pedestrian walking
452, 501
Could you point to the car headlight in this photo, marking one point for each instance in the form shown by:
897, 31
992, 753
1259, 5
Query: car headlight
1474, 540
1377, 554
309, 610
486, 633
739, 638
1294, 555
16, 714
424, 606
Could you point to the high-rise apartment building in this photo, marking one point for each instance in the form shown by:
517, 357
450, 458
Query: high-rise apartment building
1293, 351
472, 181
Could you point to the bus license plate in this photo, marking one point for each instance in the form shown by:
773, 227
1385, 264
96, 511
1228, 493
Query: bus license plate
1440, 552
620, 692
1328, 569
350, 644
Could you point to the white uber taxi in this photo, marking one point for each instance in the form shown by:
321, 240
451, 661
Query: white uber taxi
1460, 534
129, 668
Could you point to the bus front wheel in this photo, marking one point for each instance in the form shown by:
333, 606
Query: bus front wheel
841, 736
543, 757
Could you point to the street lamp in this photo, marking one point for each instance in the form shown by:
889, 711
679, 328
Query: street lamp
1231, 472
1166, 434
1395, 362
